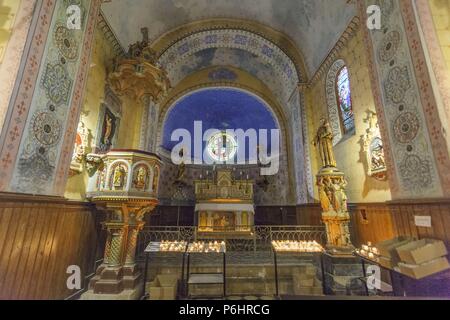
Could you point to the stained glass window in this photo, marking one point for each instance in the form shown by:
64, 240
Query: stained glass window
222, 147
345, 100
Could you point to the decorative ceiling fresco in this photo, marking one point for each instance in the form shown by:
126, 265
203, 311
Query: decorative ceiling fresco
236, 58
314, 25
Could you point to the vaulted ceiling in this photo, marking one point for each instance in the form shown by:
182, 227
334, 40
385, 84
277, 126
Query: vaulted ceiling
313, 25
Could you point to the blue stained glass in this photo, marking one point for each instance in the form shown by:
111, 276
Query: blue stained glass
345, 100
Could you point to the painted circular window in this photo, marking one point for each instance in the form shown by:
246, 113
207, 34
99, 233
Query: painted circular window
222, 147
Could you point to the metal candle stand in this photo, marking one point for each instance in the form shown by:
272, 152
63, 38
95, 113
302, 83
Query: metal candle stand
154, 247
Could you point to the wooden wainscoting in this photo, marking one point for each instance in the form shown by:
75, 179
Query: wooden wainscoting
376, 222
403, 213
371, 222
39, 238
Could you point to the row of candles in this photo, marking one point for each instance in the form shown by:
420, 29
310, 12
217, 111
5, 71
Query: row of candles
297, 246
172, 246
369, 251
207, 247
195, 247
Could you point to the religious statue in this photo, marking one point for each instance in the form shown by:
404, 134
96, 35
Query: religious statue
331, 185
372, 146
108, 130
119, 177
335, 215
141, 178
181, 169
324, 142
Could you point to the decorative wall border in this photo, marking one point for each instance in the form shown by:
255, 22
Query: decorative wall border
279, 39
440, 68
105, 27
348, 34
62, 170
431, 112
20, 102
9, 68
332, 102
399, 95
382, 121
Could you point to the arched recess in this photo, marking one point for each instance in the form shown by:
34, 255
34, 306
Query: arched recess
332, 101
264, 54
246, 83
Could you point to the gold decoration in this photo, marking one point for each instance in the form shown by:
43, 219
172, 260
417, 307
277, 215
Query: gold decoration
137, 75
331, 185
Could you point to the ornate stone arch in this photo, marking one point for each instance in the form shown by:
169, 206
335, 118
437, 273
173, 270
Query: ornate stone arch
270, 57
333, 108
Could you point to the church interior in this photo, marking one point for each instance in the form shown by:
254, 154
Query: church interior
235, 150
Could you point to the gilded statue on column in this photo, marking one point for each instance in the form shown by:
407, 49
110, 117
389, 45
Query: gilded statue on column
331, 185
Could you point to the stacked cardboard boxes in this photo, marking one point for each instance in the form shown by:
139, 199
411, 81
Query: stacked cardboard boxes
422, 258
388, 256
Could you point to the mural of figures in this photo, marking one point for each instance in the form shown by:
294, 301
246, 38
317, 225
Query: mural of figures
108, 131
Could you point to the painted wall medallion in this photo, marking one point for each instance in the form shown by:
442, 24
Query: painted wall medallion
47, 128
57, 83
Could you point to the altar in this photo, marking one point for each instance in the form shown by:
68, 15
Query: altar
224, 205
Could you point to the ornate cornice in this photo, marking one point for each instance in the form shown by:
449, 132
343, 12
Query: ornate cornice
105, 27
346, 36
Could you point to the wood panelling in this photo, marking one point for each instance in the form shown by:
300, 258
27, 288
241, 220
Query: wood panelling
371, 222
39, 238
403, 214
376, 222
309, 215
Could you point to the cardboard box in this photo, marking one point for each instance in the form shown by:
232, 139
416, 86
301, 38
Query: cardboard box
419, 252
426, 269
387, 248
